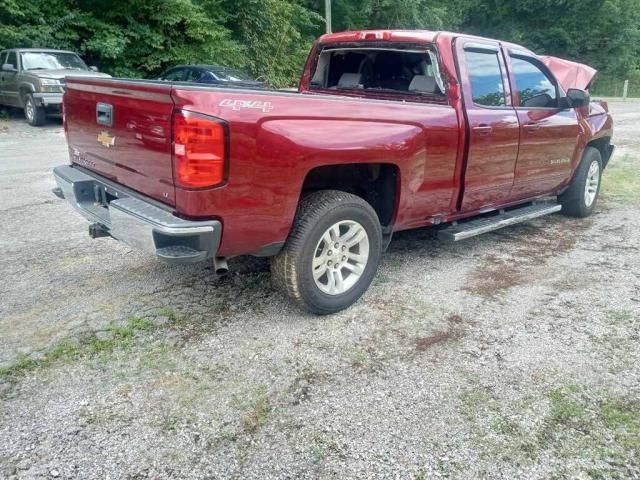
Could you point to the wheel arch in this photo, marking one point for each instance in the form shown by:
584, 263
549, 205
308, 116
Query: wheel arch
23, 89
376, 183
603, 145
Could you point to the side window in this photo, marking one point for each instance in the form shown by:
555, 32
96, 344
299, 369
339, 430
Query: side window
13, 59
485, 76
175, 75
535, 88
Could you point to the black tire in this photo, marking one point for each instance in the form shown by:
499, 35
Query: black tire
36, 116
291, 269
574, 203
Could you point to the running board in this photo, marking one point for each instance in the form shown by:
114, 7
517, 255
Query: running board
469, 229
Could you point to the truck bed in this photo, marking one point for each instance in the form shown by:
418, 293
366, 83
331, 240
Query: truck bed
276, 139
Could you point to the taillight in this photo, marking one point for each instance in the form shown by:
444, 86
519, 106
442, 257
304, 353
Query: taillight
199, 150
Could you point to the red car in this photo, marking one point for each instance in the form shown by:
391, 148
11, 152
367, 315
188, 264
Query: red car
390, 130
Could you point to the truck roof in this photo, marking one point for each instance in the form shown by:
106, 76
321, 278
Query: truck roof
412, 36
391, 35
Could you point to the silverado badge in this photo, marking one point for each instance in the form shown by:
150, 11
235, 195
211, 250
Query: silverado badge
106, 139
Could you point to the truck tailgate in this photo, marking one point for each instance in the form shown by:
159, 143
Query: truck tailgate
122, 130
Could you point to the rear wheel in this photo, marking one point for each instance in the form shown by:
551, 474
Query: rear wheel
36, 116
580, 198
332, 253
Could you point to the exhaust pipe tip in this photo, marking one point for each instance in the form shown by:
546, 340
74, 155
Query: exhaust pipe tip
220, 266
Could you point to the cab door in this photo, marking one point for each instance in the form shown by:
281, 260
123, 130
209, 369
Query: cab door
492, 123
548, 134
9, 81
3, 58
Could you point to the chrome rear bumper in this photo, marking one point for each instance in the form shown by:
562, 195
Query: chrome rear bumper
136, 221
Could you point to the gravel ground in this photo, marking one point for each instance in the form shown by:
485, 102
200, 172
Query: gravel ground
511, 355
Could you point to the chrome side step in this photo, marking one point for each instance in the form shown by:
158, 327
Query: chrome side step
469, 229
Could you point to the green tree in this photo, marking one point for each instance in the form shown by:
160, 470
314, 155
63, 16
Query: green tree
276, 34
271, 38
360, 14
602, 33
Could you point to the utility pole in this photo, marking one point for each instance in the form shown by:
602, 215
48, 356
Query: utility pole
327, 14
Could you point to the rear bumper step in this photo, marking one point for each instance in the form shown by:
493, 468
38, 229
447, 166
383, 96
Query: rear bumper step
136, 221
469, 229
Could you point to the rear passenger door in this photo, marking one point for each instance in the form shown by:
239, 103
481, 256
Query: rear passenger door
3, 57
548, 134
492, 123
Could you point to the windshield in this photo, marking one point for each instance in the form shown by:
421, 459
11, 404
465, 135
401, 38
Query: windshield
52, 61
231, 75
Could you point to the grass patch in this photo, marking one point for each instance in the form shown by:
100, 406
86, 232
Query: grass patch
366, 359
322, 446
473, 402
300, 387
117, 337
618, 342
620, 317
257, 407
600, 430
168, 312
621, 180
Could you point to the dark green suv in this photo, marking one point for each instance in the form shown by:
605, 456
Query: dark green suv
33, 79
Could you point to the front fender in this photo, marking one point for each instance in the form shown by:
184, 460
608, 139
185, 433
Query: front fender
25, 86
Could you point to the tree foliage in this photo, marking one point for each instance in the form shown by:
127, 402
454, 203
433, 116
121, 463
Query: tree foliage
270, 38
602, 33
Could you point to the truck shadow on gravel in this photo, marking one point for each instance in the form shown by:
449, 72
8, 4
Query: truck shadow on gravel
502, 259
499, 260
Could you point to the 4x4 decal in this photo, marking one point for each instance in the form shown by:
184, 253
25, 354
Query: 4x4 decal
239, 104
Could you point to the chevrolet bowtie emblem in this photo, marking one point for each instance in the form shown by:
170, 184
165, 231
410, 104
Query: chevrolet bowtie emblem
106, 139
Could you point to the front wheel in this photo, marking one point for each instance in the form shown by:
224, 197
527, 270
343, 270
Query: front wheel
580, 198
332, 253
36, 116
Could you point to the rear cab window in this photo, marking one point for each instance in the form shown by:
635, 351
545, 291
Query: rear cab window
379, 71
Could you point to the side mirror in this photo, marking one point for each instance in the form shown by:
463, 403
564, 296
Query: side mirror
93, 69
577, 98
8, 67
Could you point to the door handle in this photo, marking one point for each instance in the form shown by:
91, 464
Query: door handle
532, 127
483, 129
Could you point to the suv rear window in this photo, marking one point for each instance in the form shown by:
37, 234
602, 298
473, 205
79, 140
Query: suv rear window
378, 69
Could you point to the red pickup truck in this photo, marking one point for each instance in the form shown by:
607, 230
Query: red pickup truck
389, 130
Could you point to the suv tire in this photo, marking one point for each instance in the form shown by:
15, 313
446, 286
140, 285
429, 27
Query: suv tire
332, 253
580, 198
36, 116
